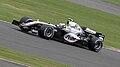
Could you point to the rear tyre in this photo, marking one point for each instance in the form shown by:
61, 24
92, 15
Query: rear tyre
95, 44
46, 31
26, 19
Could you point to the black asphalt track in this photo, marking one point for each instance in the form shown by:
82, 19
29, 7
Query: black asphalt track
11, 37
100, 5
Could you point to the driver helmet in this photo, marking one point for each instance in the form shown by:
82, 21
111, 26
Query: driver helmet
69, 20
70, 23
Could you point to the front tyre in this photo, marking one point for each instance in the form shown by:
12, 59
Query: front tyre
95, 44
26, 19
46, 31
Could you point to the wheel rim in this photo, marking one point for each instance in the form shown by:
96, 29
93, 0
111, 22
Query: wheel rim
49, 32
98, 45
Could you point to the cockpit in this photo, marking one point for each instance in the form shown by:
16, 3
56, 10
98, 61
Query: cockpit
74, 25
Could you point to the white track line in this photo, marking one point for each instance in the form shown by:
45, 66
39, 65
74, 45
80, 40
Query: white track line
113, 49
13, 62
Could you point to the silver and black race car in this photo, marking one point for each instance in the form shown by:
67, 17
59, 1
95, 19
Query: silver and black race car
70, 32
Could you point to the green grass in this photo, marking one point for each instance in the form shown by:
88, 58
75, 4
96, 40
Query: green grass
117, 2
56, 11
28, 59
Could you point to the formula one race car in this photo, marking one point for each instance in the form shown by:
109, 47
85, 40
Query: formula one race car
70, 32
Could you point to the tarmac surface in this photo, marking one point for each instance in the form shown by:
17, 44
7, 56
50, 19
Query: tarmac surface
11, 37
100, 5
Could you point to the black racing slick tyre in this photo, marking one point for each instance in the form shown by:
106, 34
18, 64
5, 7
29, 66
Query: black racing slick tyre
26, 19
46, 31
95, 45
